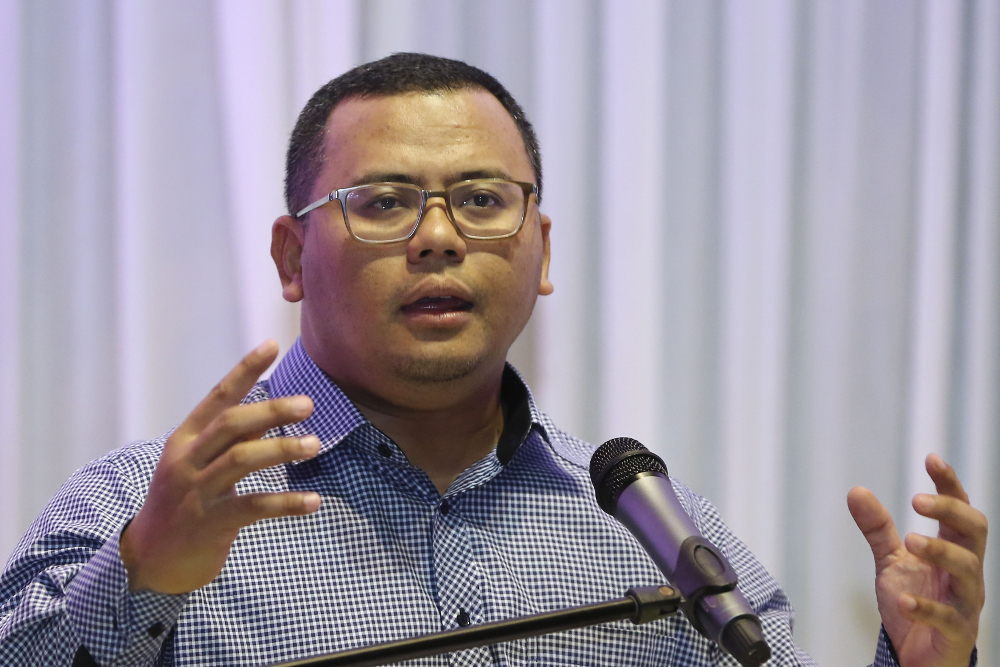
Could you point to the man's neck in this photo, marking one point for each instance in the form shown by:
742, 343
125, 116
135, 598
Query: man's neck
442, 428
442, 443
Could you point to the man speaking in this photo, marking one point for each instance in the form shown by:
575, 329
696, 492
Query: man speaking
393, 476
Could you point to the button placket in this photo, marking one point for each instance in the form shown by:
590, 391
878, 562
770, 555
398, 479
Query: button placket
457, 575
388, 462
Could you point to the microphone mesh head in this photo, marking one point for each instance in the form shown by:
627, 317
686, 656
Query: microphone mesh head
616, 464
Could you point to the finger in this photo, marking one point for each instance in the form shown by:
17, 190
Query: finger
960, 522
875, 523
231, 389
945, 478
246, 509
943, 617
246, 457
965, 568
247, 422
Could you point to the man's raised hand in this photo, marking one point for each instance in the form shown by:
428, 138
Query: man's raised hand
180, 539
930, 591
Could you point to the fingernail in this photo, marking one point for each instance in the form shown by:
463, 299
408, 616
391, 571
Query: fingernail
918, 542
310, 502
907, 603
263, 347
309, 444
923, 502
300, 404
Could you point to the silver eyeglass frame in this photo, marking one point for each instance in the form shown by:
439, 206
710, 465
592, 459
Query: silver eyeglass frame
341, 196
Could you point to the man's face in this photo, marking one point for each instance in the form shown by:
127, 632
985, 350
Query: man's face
437, 307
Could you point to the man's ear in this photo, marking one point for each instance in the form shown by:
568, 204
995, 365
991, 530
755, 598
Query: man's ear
287, 239
545, 287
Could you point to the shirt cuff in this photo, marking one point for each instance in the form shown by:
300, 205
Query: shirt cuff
885, 653
118, 627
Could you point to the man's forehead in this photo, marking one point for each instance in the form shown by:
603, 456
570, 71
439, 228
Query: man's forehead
449, 127
413, 116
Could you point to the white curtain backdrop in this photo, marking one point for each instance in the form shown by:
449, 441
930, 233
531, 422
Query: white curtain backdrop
776, 240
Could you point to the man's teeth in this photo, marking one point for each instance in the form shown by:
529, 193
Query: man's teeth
441, 303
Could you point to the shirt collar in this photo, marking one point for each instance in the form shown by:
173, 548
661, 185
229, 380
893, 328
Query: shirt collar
334, 416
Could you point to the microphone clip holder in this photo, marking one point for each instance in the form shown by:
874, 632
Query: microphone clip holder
701, 571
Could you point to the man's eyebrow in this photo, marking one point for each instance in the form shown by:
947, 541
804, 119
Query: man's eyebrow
392, 177
484, 173
384, 177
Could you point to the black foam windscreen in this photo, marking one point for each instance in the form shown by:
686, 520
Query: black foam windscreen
616, 464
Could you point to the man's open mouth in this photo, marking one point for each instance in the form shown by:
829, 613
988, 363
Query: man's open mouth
438, 304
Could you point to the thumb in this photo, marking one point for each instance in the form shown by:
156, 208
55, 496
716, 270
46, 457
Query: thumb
875, 523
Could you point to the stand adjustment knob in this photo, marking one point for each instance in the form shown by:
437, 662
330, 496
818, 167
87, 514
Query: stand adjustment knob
745, 639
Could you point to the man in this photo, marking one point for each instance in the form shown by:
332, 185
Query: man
393, 476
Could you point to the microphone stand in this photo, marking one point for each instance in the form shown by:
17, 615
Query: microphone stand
640, 605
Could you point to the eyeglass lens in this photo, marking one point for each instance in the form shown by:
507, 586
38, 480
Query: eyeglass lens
389, 211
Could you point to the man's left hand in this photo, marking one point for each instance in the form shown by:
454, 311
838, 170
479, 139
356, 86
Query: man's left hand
930, 591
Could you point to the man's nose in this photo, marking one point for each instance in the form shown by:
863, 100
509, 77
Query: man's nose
436, 237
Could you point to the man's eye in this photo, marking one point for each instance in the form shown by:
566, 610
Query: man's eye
385, 203
482, 200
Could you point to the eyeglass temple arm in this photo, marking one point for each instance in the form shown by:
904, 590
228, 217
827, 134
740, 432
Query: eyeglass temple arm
319, 202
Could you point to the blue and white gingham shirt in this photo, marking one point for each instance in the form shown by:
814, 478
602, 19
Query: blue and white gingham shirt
386, 557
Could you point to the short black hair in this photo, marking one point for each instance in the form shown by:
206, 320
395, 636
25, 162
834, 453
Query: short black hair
394, 75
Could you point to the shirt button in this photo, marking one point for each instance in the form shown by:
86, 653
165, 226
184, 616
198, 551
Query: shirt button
445, 508
463, 618
385, 450
155, 630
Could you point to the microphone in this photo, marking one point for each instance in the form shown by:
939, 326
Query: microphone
632, 485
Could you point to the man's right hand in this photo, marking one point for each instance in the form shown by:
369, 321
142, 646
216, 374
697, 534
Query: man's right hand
180, 539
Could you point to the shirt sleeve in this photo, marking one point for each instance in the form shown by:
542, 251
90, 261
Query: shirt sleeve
65, 587
762, 591
885, 654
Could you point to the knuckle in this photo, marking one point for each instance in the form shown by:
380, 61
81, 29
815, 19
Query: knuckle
940, 614
239, 457
926, 608
288, 503
949, 505
223, 389
290, 447
266, 505
276, 411
933, 549
951, 617
229, 420
976, 566
278, 407
970, 565
256, 504
980, 523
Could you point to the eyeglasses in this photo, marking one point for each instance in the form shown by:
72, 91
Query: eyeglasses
486, 208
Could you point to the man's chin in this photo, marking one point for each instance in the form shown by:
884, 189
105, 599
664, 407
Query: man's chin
435, 369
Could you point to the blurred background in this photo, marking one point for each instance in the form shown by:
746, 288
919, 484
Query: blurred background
776, 240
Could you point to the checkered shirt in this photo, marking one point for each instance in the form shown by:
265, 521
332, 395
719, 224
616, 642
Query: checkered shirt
386, 557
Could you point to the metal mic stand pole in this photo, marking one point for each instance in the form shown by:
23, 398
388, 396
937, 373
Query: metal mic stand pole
640, 605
